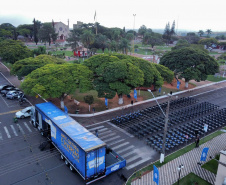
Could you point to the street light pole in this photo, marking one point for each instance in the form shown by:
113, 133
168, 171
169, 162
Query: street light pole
162, 156
134, 15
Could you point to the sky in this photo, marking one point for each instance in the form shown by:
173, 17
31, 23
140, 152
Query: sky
188, 14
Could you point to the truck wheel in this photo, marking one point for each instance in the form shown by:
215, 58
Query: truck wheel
71, 168
62, 157
66, 162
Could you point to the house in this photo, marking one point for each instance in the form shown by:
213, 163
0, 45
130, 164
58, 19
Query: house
62, 30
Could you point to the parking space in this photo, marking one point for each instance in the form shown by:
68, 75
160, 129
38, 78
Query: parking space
9, 104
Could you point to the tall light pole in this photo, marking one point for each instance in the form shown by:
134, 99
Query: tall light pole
162, 156
134, 15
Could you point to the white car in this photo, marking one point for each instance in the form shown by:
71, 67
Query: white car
24, 113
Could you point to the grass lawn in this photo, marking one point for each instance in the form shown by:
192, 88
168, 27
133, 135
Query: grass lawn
67, 53
215, 79
211, 165
172, 156
192, 179
144, 51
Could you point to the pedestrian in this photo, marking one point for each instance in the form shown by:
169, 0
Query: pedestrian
197, 141
96, 132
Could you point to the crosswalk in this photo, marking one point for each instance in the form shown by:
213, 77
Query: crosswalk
15, 130
119, 142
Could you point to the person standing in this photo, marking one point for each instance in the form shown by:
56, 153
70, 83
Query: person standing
197, 141
96, 132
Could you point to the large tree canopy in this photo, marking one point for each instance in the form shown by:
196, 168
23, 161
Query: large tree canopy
190, 64
54, 81
120, 73
25, 66
151, 74
165, 72
13, 50
112, 75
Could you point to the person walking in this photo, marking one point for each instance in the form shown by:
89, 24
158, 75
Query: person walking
197, 141
96, 132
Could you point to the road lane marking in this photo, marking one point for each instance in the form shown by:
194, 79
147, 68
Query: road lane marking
127, 154
7, 132
132, 159
125, 149
116, 137
25, 124
123, 144
103, 129
95, 128
137, 163
10, 112
20, 129
13, 129
116, 142
1, 136
109, 135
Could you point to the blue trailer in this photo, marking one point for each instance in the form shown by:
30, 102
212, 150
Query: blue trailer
81, 149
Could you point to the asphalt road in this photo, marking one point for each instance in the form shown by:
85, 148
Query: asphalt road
23, 163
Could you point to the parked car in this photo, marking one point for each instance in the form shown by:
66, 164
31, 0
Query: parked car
5, 91
14, 94
24, 113
3, 87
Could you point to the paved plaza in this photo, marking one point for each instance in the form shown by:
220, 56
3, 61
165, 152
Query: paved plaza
168, 173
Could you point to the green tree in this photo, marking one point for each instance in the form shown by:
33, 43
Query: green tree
208, 41
169, 32
40, 50
25, 66
89, 100
87, 38
165, 72
129, 36
13, 50
36, 27
208, 31
152, 39
47, 33
201, 32
190, 64
192, 38
182, 43
74, 38
112, 76
57, 81
151, 74
25, 30
142, 30
124, 45
6, 34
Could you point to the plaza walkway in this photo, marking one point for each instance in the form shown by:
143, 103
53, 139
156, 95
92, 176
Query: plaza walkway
168, 173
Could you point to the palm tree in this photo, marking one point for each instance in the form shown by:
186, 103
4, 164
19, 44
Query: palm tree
87, 38
124, 45
208, 31
200, 33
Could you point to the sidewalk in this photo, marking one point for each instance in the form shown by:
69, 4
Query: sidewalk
168, 173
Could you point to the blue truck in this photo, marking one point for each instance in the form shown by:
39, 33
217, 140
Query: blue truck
81, 150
